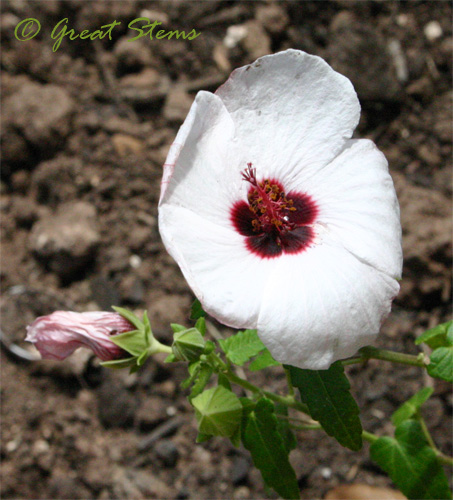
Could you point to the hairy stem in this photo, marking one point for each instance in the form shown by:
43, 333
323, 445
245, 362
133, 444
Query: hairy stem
392, 356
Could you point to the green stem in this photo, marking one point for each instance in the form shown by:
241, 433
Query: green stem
156, 347
444, 459
368, 436
395, 357
289, 401
289, 382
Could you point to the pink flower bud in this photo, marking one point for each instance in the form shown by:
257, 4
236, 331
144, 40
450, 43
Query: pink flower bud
58, 335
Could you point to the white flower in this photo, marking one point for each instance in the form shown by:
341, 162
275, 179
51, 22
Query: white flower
278, 219
59, 334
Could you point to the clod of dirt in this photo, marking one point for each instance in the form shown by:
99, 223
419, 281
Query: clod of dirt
358, 52
116, 406
131, 57
40, 114
67, 241
177, 105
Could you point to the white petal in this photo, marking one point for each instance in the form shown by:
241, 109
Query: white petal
358, 205
323, 305
291, 111
226, 278
196, 173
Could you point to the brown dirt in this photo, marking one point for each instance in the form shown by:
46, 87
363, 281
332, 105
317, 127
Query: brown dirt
85, 133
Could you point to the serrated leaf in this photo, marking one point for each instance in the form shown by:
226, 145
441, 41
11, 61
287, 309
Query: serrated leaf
133, 342
218, 412
437, 336
326, 393
411, 463
263, 360
411, 406
441, 363
130, 316
197, 310
242, 346
283, 427
262, 439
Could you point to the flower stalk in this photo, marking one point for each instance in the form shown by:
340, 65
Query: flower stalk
369, 352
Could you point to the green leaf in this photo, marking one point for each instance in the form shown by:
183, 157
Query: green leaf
203, 376
441, 365
411, 463
262, 439
177, 328
200, 325
437, 336
218, 412
147, 328
171, 358
283, 427
197, 310
326, 393
241, 347
130, 316
223, 381
118, 364
202, 438
411, 406
263, 360
188, 344
133, 342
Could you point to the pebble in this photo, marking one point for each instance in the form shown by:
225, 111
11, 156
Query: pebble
167, 452
125, 145
66, 241
433, 31
239, 470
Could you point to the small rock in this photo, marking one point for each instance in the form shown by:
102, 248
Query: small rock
66, 241
127, 145
132, 289
167, 452
40, 113
359, 52
241, 493
362, 492
131, 56
433, 31
177, 105
146, 79
272, 17
239, 470
256, 41
151, 413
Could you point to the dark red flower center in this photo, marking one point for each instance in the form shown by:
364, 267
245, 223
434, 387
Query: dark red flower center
272, 221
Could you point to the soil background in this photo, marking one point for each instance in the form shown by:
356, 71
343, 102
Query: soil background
85, 132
